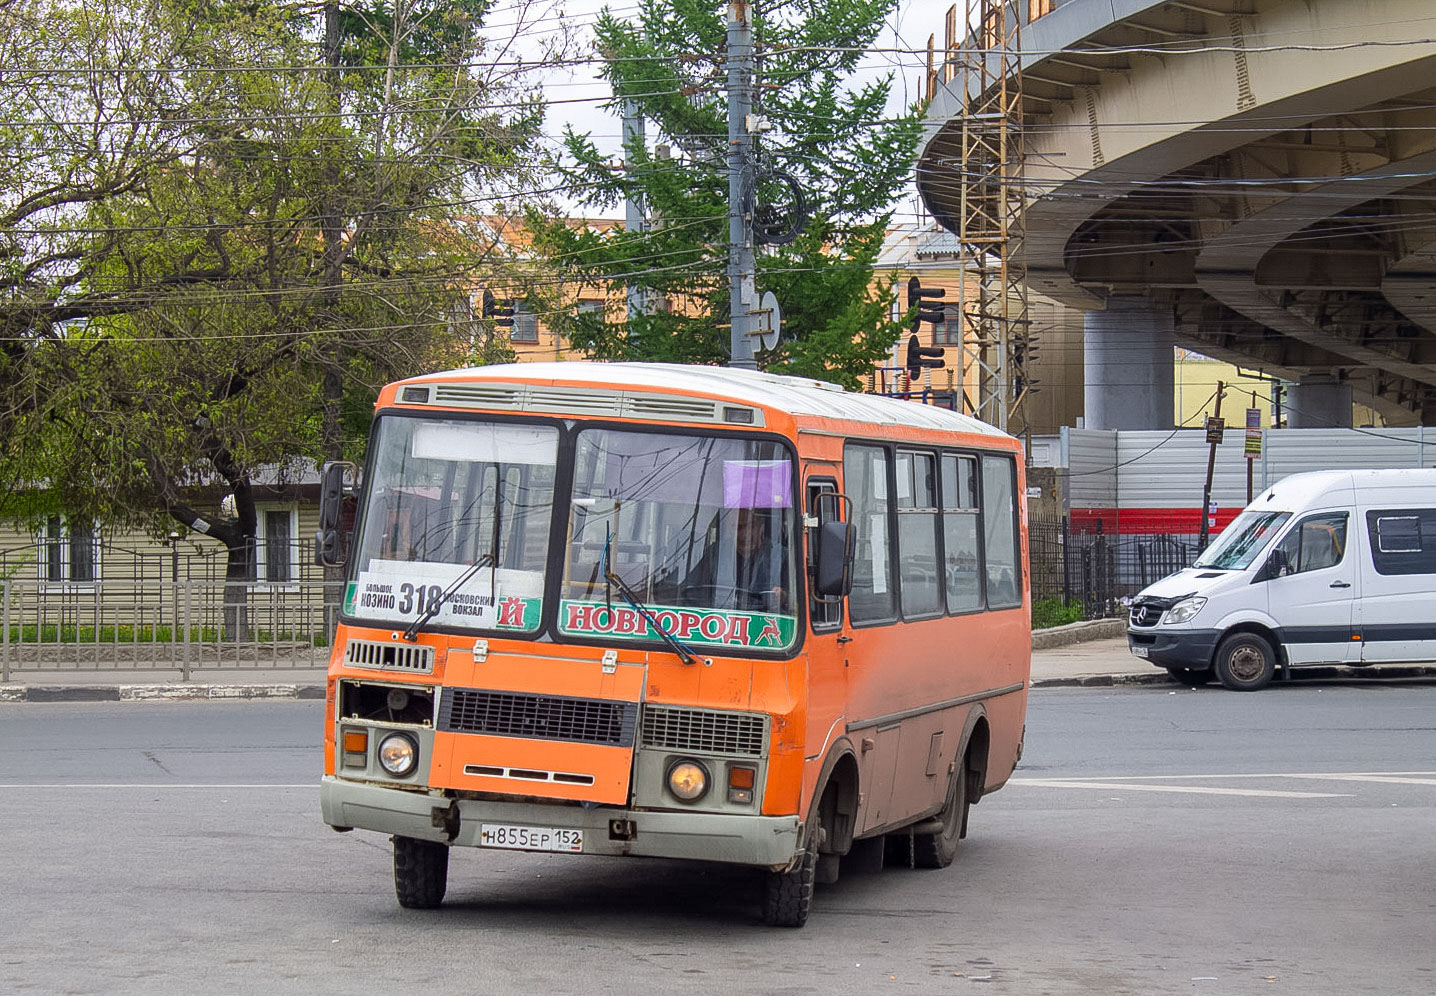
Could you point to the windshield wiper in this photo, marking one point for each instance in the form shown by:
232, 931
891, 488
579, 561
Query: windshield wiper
432, 609
684, 654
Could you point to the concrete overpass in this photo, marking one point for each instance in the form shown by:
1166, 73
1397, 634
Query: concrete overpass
1252, 179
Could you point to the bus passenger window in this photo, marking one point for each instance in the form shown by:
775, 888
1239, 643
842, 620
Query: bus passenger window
865, 481
920, 587
999, 521
961, 557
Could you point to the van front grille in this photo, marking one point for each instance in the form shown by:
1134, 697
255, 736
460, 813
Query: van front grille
537, 717
732, 733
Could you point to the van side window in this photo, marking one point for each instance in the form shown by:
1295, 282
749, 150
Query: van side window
920, 586
962, 558
865, 481
1403, 541
1318, 542
999, 523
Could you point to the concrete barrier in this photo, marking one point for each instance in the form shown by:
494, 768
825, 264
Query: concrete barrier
1078, 632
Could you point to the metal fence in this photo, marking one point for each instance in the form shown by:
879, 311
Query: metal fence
1098, 569
162, 626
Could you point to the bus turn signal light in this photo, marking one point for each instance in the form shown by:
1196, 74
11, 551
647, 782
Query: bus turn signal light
740, 785
356, 742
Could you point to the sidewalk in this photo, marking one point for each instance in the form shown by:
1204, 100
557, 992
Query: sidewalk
1082, 655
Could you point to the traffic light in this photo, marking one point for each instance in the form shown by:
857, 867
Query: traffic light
500, 312
921, 298
919, 356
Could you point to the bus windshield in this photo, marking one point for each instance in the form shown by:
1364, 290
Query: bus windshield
448, 498
697, 528
1242, 541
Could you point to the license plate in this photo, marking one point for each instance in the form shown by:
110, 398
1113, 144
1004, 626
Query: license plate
516, 838
1140, 651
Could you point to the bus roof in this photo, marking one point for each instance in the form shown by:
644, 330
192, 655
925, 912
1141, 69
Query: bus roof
798, 396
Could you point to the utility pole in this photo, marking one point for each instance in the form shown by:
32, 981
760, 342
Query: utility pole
634, 218
741, 266
1214, 434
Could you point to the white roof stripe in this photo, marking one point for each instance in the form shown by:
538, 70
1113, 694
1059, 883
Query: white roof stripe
797, 395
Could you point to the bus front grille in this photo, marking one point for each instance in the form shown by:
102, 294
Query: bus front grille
387, 656
537, 717
711, 731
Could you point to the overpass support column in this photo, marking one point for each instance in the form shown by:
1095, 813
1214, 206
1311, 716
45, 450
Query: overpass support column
1319, 401
1129, 365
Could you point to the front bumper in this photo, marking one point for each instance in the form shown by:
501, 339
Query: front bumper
746, 840
1186, 648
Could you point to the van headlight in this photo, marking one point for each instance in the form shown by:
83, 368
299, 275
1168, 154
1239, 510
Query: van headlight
1184, 610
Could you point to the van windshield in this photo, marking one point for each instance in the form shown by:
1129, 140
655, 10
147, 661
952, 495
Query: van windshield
1242, 541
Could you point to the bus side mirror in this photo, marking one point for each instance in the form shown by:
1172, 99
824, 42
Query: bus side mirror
329, 539
837, 546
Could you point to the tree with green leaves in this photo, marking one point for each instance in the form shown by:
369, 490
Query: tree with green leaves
824, 138
223, 226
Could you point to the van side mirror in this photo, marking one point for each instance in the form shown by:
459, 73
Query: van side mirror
837, 546
1276, 566
329, 541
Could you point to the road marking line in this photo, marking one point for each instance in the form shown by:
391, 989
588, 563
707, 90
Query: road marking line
1190, 790
1255, 774
147, 786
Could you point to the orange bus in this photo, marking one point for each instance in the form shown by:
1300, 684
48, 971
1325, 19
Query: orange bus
682, 612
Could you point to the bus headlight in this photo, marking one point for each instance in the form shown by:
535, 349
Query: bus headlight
1184, 610
398, 754
687, 780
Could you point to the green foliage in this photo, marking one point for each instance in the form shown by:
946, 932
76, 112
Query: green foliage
126, 634
1048, 612
222, 229
837, 141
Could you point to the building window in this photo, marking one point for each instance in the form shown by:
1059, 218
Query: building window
948, 332
589, 306
525, 324
276, 555
69, 550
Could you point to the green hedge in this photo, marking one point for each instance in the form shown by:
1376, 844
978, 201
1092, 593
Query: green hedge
1053, 612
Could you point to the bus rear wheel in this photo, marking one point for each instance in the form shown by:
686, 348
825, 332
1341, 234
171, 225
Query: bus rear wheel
421, 872
936, 850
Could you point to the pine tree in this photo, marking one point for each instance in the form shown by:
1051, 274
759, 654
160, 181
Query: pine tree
824, 139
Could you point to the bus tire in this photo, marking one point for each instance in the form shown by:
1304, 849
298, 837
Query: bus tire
936, 850
1193, 676
1245, 662
788, 895
421, 872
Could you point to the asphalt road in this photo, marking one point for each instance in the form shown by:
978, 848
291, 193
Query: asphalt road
1153, 841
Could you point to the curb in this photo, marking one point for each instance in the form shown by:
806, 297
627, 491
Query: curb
1355, 675
157, 693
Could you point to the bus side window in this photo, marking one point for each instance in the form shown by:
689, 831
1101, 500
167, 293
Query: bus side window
999, 523
826, 613
865, 481
962, 557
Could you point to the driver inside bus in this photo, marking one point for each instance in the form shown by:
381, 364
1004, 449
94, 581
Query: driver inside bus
759, 581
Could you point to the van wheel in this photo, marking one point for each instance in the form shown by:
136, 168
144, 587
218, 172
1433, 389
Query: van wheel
788, 895
1191, 675
421, 872
1245, 662
936, 850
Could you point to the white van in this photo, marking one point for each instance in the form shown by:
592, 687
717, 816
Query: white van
1331, 567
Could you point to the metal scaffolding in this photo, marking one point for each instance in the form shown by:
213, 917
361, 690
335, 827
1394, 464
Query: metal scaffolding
997, 338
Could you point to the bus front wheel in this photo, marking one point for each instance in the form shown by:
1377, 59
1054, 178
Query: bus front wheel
788, 895
421, 872
936, 850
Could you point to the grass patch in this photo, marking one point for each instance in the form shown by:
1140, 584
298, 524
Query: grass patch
1051, 612
129, 634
